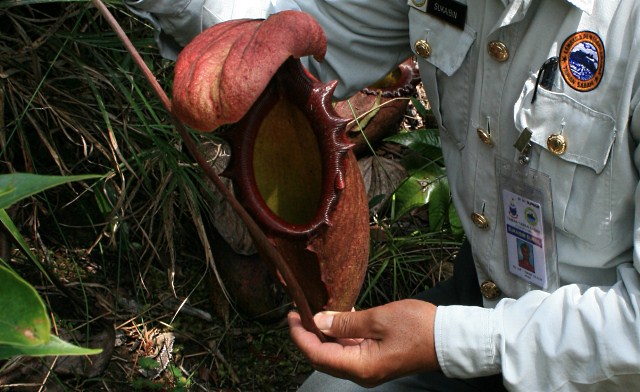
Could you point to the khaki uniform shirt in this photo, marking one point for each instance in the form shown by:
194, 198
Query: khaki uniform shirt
586, 334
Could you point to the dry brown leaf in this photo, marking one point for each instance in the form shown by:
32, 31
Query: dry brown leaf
381, 177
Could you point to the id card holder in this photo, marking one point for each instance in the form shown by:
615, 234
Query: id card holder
529, 229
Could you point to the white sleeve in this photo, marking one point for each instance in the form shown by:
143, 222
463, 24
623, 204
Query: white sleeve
178, 21
576, 339
367, 38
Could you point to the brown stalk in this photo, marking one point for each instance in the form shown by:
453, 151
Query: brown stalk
265, 247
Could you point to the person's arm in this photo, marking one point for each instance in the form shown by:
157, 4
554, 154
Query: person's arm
177, 22
367, 38
577, 338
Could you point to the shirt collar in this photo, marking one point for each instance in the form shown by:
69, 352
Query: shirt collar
584, 5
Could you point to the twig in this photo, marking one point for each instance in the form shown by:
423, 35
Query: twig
264, 246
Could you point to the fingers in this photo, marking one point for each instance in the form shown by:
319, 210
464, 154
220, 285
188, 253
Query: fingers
309, 343
350, 361
304, 339
350, 325
385, 342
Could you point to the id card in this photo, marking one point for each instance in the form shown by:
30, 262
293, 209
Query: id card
525, 238
529, 228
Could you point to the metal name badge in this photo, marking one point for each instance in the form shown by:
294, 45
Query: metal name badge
451, 12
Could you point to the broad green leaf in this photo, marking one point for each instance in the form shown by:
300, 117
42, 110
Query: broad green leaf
17, 186
439, 205
23, 316
425, 142
409, 195
417, 139
55, 346
415, 163
417, 189
25, 328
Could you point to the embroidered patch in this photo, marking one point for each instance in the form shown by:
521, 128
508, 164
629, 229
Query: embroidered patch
582, 60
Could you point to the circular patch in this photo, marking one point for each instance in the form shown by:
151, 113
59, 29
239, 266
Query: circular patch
582, 60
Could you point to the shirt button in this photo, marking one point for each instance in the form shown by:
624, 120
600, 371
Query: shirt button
498, 50
480, 220
557, 144
423, 49
484, 136
490, 290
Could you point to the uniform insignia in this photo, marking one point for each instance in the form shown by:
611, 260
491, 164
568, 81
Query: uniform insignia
449, 11
582, 60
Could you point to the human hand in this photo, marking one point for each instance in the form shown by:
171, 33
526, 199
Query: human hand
372, 346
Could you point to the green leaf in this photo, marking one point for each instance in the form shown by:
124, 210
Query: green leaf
148, 363
17, 186
417, 190
439, 205
25, 328
415, 163
23, 316
55, 346
417, 139
425, 142
422, 111
13, 230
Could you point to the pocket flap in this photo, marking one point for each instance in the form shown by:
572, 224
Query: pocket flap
449, 44
589, 134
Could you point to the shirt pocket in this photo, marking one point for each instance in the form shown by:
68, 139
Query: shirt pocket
445, 65
581, 175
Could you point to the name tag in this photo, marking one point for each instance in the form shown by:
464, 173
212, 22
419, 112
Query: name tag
449, 11
529, 227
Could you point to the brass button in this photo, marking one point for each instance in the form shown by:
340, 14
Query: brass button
480, 220
484, 136
498, 50
423, 49
490, 290
557, 144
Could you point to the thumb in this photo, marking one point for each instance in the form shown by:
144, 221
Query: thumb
344, 324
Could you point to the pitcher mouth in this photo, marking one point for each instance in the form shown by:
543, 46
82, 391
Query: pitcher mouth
288, 153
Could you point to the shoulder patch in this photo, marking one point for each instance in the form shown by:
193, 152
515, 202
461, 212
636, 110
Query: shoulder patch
582, 60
